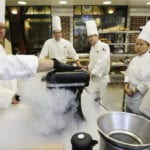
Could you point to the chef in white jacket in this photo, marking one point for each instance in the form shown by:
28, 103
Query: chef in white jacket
58, 47
12, 67
9, 84
137, 75
99, 64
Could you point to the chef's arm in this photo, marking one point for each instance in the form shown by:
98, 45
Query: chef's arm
27, 66
24, 66
44, 51
127, 90
45, 64
80, 65
78, 62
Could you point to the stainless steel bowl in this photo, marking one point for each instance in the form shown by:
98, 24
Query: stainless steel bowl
125, 130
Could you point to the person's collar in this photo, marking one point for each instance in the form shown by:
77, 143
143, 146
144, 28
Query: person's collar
147, 52
57, 40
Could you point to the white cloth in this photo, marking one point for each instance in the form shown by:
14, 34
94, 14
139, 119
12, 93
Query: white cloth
91, 28
145, 104
56, 23
10, 84
8, 88
6, 96
99, 66
12, 67
61, 50
138, 76
2, 8
18, 66
100, 60
144, 35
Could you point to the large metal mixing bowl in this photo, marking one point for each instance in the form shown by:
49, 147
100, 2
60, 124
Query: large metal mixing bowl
125, 130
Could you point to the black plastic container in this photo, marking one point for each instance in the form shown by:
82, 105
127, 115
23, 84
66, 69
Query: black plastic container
82, 141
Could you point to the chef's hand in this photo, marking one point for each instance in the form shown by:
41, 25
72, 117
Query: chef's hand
15, 99
80, 65
128, 91
84, 67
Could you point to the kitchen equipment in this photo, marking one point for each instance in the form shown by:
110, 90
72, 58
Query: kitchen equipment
82, 141
123, 131
74, 80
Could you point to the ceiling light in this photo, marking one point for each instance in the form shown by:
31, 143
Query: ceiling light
22, 2
62, 2
14, 11
106, 2
148, 3
110, 11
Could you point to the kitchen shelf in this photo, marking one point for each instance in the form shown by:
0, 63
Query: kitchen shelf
120, 60
119, 65
119, 41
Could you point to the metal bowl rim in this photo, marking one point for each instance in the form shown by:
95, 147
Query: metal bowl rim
119, 142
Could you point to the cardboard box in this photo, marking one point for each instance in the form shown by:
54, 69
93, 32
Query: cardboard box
41, 147
49, 147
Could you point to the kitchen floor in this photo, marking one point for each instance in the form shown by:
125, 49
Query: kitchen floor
114, 102
19, 125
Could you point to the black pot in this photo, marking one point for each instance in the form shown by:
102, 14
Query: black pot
82, 141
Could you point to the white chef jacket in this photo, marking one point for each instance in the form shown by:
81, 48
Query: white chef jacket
8, 88
100, 60
99, 66
60, 50
138, 76
12, 67
10, 84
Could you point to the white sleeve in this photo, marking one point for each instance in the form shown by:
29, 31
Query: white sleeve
103, 64
145, 104
72, 52
44, 51
129, 70
126, 76
6, 96
17, 66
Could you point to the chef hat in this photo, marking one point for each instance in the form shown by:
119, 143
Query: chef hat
56, 23
145, 33
2, 13
91, 27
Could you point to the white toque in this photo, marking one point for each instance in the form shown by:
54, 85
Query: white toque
91, 28
2, 9
56, 23
145, 33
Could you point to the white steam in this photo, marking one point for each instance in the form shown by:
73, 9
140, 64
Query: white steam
45, 116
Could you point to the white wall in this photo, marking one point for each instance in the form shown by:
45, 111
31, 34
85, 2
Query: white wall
65, 11
62, 11
139, 11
